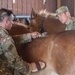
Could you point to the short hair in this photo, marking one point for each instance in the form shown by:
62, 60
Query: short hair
5, 12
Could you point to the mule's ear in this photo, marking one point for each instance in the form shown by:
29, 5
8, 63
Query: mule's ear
33, 14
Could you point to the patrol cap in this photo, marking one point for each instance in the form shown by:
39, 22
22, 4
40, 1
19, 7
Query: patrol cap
61, 10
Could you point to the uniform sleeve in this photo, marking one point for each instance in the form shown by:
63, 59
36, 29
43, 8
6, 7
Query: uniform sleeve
74, 25
24, 38
14, 61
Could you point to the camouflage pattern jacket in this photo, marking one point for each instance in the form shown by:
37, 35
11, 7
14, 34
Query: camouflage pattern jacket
10, 62
71, 25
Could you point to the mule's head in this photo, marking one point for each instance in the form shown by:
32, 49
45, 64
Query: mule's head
35, 20
44, 22
38, 19
18, 28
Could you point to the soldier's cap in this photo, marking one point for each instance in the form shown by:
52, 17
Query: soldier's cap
60, 10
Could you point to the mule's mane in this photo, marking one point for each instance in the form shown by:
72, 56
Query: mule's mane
45, 13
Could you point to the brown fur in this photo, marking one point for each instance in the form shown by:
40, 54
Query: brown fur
18, 28
58, 51
50, 24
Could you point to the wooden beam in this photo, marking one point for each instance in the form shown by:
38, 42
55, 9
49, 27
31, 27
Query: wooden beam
58, 3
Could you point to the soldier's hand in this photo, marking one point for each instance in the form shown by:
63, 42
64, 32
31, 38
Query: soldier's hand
35, 34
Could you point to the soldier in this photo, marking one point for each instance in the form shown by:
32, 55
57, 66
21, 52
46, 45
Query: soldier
64, 16
10, 62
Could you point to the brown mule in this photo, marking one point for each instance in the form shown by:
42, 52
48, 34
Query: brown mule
57, 51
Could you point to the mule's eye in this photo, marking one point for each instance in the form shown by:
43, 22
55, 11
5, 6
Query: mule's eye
28, 28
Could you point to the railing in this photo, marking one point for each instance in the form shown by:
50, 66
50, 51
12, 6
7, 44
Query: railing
24, 16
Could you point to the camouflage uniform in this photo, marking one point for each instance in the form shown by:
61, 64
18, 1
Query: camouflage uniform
10, 62
71, 25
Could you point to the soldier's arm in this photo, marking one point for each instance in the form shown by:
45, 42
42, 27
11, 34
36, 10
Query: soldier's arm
9, 51
24, 38
74, 24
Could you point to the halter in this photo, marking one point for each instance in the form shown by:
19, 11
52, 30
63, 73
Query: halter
41, 29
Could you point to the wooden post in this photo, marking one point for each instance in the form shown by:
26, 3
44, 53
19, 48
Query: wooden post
44, 4
58, 3
74, 7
